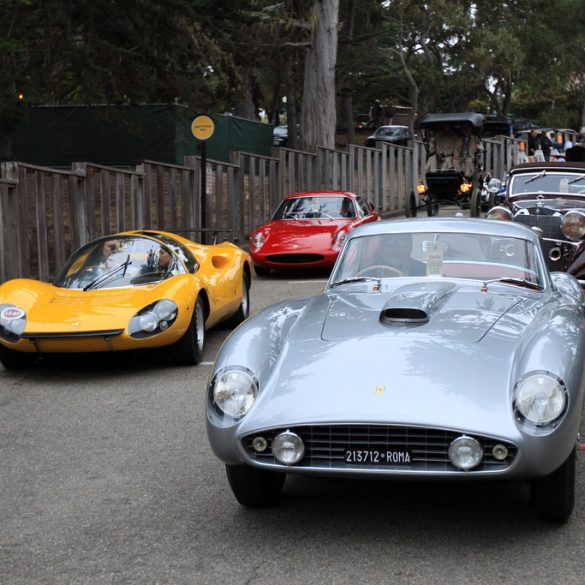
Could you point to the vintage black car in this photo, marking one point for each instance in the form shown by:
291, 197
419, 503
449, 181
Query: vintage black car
454, 163
550, 197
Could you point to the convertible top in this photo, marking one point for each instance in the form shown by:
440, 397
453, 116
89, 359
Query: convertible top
434, 121
548, 166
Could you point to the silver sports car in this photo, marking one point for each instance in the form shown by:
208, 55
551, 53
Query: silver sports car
440, 348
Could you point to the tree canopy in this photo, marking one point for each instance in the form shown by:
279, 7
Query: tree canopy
509, 57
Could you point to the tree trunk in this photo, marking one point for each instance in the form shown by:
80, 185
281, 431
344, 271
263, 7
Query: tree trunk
348, 99
318, 111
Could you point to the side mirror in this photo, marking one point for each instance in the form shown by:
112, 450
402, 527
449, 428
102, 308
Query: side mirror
568, 286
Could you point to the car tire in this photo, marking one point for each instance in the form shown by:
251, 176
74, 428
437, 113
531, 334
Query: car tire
475, 203
260, 271
410, 205
255, 488
244, 309
553, 496
189, 350
16, 360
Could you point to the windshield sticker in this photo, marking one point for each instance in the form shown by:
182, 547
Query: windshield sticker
434, 258
564, 186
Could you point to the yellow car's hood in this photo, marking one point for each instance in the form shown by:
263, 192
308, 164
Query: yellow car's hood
50, 309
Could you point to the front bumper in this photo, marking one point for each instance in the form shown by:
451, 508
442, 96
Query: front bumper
296, 259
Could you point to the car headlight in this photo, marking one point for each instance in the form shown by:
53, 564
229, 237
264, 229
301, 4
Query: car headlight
465, 187
540, 399
338, 239
494, 185
233, 391
501, 213
257, 241
573, 225
154, 318
421, 188
12, 322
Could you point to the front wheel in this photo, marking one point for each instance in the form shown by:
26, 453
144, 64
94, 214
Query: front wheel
255, 488
410, 205
244, 309
553, 496
260, 271
16, 360
475, 203
188, 351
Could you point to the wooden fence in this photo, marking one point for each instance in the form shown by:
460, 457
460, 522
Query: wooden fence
46, 213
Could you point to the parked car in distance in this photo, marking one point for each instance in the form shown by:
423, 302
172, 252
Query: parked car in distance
439, 349
399, 135
131, 290
550, 197
307, 230
280, 136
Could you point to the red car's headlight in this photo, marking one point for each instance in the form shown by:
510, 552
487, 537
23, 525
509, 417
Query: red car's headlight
257, 240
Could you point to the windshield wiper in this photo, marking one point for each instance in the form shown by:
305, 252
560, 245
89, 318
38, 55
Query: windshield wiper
576, 180
357, 279
539, 176
514, 282
105, 277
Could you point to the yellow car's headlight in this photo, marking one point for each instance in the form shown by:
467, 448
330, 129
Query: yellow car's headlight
153, 319
12, 322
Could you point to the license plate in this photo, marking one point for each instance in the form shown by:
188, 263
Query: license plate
387, 456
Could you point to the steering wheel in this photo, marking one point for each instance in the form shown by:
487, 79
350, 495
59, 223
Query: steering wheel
380, 267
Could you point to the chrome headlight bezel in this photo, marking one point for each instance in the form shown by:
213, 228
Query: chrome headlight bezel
494, 185
257, 241
573, 225
500, 213
540, 401
227, 399
153, 319
12, 322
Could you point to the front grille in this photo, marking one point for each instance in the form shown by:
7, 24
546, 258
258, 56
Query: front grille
325, 446
549, 224
551, 228
294, 258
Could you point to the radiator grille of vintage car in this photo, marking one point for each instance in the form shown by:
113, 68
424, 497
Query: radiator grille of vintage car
294, 258
551, 228
328, 447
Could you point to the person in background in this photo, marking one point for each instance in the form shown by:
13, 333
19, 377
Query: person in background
577, 152
376, 112
546, 145
534, 143
466, 148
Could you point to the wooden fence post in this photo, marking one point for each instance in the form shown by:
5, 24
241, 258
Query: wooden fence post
78, 204
9, 262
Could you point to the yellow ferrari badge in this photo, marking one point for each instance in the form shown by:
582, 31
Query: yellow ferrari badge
380, 390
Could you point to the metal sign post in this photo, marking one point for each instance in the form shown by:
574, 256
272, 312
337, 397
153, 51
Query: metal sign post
202, 128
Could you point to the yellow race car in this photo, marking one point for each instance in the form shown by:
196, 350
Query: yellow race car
132, 290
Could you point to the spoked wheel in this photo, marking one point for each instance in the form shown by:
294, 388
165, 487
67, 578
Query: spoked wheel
432, 206
188, 351
244, 309
410, 207
255, 488
475, 202
553, 496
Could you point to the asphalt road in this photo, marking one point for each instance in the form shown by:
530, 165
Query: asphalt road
106, 478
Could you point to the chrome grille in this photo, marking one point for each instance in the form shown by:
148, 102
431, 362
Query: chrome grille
325, 446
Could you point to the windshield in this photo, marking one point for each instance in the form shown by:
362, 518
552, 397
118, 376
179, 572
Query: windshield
547, 182
388, 131
436, 254
118, 262
315, 208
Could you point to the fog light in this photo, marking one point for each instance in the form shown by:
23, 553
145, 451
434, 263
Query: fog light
500, 452
259, 444
288, 448
465, 453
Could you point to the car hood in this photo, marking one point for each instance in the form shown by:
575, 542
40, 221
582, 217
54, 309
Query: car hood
50, 309
342, 364
302, 233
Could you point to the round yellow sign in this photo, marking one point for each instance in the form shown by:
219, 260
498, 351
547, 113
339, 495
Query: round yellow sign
202, 127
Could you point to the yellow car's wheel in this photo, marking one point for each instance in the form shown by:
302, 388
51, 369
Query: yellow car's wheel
16, 360
188, 351
244, 309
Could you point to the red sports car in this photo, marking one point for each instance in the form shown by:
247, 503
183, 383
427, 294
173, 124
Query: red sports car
307, 230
